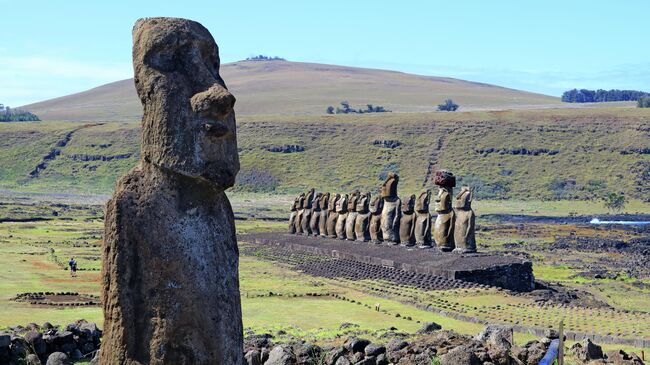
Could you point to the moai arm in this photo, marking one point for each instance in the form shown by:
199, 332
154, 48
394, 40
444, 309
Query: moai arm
398, 213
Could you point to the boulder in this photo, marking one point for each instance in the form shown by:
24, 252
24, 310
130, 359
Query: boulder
281, 355
460, 355
342, 361
374, 350
354, 344
587, 350
334, 354
58, 358
253, 357
429, 327
35, 340
497, 339
381, 359
5, 341
396, 344
32, 359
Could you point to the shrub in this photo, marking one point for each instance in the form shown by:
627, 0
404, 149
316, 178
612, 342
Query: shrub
448, 106
643, 102
615, 202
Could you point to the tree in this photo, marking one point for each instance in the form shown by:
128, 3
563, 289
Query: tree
643, 102
448, 106
615, 202
330, 110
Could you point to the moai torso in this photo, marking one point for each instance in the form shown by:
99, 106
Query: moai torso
390, 214
292, 216
352, 216
443, 229
407, 222
299, 214
170, 287
362, 221
464, 235
374, 229
332, 216
423, 220
314, 223
342, 215
322, 222
306, 212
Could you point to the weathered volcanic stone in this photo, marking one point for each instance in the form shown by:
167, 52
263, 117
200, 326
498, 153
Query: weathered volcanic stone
332, 216
292, 216
376, 206
299, 212
170, 287
342, 210
305, 218
390, 214
362, 221
407, 222
464, 222
422, 230
352, 216
443, 230
324, 213
315, 215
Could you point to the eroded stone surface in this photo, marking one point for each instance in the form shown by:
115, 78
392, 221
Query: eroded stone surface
390, 214
464, 222
170, 256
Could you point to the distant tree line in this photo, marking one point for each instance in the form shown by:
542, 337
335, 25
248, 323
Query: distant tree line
264, 58
643, 102
16, 115
600, 95
346, 109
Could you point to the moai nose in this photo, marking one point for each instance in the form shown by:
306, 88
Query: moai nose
214, 103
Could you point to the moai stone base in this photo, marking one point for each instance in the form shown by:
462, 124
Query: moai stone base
170, 286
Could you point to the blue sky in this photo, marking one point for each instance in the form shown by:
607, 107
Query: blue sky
51, 48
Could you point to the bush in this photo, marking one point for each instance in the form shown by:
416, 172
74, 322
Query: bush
601, 96
643, 102
265, 58
615, 202
448, 106
16, 115
347, 109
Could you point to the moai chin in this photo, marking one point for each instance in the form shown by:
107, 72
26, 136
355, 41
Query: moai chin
332, 215
324, 211
464, 235
443, 230
390, 214
170, 286
292, 216
306, 212
352, 216
376, 206
423, 220
362, 221
315, 215
342, 210
407, 222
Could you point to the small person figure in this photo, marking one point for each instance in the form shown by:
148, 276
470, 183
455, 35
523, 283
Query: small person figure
73, 267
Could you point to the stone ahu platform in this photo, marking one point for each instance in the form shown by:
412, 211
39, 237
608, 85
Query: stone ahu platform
506, 272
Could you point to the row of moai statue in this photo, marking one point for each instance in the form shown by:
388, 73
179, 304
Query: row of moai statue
386, 218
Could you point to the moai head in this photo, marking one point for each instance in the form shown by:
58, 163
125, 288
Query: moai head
352, 202
331, 205
362, 203
389, 187
464, 199
301, 201
324, 201
443, 199
408, 205
422, 203
309, 199
376, 205
295, 204
342, 204
188, 125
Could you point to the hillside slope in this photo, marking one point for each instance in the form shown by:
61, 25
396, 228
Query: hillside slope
295, 88
528, 154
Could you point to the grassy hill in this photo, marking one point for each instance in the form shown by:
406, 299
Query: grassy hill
295, 88
521, 154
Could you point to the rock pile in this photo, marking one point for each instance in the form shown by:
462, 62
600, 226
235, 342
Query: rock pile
38, 344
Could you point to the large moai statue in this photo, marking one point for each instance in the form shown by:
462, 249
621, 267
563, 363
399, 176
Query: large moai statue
170, 285
374, 229
306, 212
464, 235
324, 211
390, 214
362, 221
407, 222
292, 216
352, 216
315, 215
342, 215
332, 215
299, 213
423, 220
443, 230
